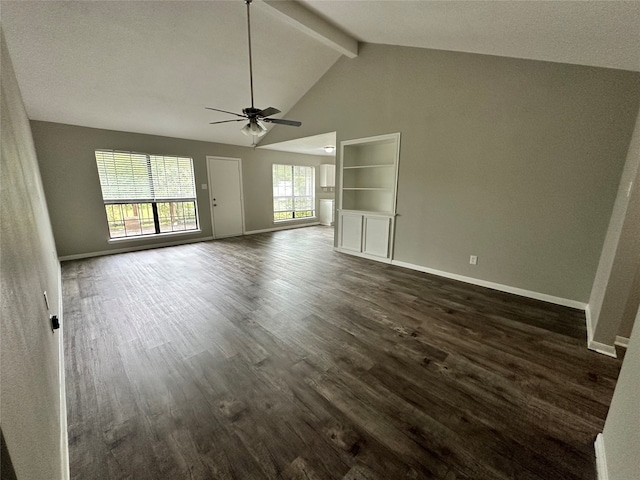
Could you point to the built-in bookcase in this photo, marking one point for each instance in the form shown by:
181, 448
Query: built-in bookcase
368, 181
369, 167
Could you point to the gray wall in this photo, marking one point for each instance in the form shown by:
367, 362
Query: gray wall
30, 389
72, 186
622, 427
620, 259
516, 161
628, 318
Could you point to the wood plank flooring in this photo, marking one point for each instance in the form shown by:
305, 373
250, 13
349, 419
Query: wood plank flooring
271, 356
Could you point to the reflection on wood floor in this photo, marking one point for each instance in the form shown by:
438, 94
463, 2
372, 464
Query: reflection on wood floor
271, 356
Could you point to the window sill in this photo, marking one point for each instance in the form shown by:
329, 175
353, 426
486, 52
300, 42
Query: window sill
154, 236
290, 220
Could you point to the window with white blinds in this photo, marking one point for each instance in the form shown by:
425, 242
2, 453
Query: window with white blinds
147, 194
293, 192
128, 176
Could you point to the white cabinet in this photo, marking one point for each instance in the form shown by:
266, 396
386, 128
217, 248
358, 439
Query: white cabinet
327, 175
368, 182
366, 234
351, 231
376, 236
326, 211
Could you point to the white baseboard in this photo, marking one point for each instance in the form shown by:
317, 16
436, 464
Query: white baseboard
363, 255
287, 227
601, 458
622, 341
64, 434
495, 286
588, 318
602, 348
133, 249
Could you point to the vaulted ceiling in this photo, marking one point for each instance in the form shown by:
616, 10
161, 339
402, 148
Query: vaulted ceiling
152, 67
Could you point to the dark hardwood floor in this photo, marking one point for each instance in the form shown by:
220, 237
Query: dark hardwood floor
271, 356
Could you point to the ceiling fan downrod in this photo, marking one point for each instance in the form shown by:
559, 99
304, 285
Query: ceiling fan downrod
248, 2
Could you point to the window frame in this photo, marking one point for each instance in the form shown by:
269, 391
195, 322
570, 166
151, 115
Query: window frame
153, 202
293, 195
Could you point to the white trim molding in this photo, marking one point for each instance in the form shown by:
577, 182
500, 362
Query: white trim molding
588, 318
286, 227
495, 286
622, 341
602, 348
133, 249
64, 434
601, 458
362, 255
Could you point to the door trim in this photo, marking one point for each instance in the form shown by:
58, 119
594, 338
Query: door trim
229, 159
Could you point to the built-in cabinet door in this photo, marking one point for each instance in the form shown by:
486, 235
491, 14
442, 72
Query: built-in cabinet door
351, 232
376, 236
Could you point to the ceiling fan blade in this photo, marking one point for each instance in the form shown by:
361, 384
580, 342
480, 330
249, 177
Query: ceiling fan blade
267, 112
282, 121
227, 121
224, 111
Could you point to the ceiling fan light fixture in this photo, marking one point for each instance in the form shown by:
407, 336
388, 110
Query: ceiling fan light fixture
329, 148
254, 128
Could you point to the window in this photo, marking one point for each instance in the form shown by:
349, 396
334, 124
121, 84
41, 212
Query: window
147, 194
293, 192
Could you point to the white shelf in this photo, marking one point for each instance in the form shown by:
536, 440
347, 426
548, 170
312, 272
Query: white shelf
371, 166
369, 213
370, 188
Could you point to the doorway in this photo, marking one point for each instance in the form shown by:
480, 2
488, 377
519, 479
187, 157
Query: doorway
225, 196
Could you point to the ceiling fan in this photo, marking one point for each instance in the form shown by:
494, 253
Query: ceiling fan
257, 117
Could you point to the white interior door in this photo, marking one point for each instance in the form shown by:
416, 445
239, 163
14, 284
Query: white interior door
225, 193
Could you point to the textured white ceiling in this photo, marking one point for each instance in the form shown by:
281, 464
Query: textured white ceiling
313, 145
597, 33
152, 66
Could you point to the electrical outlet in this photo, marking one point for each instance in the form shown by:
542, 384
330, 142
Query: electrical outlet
473, 259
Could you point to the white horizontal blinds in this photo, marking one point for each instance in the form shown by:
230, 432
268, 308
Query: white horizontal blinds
124, 176
172, 178
127, 177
